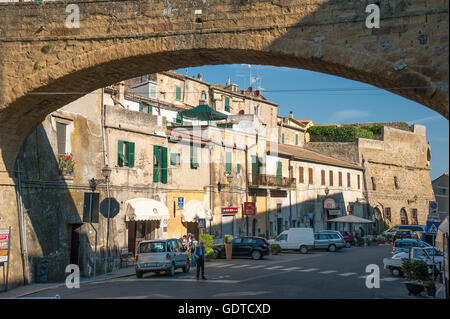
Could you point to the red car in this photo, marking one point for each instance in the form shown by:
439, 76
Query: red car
348, 237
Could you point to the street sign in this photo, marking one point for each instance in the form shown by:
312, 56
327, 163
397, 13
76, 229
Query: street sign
229, 210
114, 207
4, 245
249, 209
201, 223
433, 206
180, 202
91, 207
432, 228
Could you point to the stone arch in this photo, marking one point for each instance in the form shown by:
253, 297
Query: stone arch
378, 218
404, 216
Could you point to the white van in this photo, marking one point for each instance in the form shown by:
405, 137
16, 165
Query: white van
301, 239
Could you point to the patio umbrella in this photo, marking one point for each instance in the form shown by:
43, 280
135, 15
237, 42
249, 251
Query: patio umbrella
203, 113
351, 219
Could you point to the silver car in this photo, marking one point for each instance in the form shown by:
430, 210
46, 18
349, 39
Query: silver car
329, 240
161, 255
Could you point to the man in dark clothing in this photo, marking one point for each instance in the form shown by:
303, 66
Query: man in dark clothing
200, 253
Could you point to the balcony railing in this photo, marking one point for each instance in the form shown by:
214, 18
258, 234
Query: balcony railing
264, 180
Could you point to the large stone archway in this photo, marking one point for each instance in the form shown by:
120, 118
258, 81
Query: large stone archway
45, 65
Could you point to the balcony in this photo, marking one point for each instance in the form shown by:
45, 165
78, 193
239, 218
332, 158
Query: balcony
271, 181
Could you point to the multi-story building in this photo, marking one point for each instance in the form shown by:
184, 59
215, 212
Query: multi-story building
440, 189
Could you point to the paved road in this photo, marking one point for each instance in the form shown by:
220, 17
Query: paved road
289, 275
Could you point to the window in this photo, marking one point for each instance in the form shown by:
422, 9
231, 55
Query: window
310, 177
228, 161
374, 186
340, 178
403, 217
279, 172
322, 176
282, 237
159, 164
324, 236
331, 178
152, 89
178, 93
282, 138
349, 181
204, 96
194, 162
179, 119
296, 138
236, 241
175, 158
388, 213
414, 216
125, 154
396, 182
359, 182
300, 175
249, 241
227, 104
256, 165
145, 107
62, 138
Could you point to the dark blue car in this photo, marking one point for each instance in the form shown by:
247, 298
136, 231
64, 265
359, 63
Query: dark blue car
403, 245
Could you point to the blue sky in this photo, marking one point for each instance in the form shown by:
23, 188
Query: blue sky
313, 95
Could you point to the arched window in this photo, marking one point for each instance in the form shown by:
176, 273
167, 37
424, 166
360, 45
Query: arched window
403, 217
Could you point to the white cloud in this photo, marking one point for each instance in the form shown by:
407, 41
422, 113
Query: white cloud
426, 119
346, 115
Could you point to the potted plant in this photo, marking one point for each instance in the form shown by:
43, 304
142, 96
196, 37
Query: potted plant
228, 246
275, 249
430, 286
210, 254
416, 272
66, 164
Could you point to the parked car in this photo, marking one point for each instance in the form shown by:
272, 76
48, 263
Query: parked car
348, 237
328, 240
334, 232
403, 245
161, 255
392, 230
247, 246
301, 239
404, 234
395, 263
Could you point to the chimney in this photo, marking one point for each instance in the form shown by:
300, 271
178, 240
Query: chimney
291, 115
199, 76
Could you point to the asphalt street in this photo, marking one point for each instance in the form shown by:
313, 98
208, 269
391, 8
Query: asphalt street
318, 275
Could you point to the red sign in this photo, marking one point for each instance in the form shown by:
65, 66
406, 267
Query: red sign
229, 210
249, 209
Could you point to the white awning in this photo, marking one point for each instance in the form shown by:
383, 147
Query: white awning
351, 219
194, 210
146, 209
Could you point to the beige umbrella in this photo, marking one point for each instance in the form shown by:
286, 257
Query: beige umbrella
352, 219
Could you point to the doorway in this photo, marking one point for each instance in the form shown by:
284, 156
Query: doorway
75, 231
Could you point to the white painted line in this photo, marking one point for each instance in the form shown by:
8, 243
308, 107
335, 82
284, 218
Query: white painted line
224, 265
308, 270
258, 266
274, 267
240, 266
389, 279
347, 274
292, 268
363, 277
213, 264
327, 272
195, 280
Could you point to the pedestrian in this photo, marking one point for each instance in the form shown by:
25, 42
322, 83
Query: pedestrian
362, 231
193, 247
200, 253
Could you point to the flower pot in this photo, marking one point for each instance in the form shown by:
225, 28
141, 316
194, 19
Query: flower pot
414, 288
228, 251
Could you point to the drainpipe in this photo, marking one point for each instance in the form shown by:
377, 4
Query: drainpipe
211, 191
22, 228
290, 193
246, 181
103, 127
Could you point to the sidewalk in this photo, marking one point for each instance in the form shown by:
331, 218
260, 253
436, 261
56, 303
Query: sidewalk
24, 291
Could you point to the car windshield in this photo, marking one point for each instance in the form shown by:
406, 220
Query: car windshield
152, 247
436, 252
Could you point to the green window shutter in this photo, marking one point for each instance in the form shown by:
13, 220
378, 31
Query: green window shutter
194, 163
164, 165
228, 162
279, 172
173, 158
120, 157
296, 139
179, 119
156, 161
238, 168
141, 107
149, 109
178, 93
130, 154
227, 104
282, 138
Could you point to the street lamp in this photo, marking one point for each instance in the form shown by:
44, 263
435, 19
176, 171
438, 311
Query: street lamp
327, 191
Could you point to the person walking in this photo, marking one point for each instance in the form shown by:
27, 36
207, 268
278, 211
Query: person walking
200, 253
194, 245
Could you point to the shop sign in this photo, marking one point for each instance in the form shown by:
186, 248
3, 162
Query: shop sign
249, 209
229, 210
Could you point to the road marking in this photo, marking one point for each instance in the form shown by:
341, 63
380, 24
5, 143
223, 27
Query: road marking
327, 272
240, 266
274, 267
363, 277
310, 269
225, 265
389, 279
347, 274
292, 268
213, 264
258, 266
222, 281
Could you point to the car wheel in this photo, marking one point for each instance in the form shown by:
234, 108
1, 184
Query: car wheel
256, 254
139, 274
171, 270
303, 250
187, 267
396, 272
348, 244
332, 248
